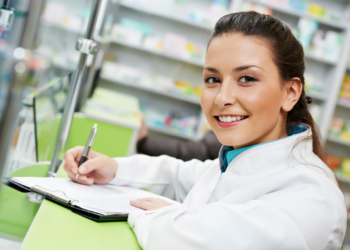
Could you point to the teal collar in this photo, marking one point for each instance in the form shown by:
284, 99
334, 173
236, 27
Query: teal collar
228, 153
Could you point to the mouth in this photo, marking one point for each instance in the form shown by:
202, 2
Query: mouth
230, 120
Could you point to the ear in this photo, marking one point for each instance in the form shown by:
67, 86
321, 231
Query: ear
294, 88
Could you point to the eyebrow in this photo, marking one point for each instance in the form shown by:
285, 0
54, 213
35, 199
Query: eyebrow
240, 68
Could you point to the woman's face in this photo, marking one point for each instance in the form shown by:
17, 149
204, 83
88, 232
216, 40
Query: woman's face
243, 98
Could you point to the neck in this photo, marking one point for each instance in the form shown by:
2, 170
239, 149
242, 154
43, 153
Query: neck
273, 135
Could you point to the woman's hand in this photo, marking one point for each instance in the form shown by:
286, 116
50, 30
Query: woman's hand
98, 168
149, 203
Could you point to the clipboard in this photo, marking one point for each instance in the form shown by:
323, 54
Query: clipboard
61, 199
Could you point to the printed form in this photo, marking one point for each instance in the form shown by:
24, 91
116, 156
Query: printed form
104, 199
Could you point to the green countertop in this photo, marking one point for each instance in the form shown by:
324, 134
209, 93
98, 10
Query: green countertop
56, 227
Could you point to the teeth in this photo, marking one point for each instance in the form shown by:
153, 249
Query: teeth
230, 118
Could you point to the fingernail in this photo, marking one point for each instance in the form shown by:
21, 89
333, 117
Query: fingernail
82, 169
74, 170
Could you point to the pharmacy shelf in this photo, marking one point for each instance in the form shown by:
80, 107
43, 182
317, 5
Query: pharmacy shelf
177, 18
343, 179
170, 132
159, 92
337, 140
292, 12
345, 104
138, 47
319, 58
317, 96
198, 63
63, 28
189, 61
63, 66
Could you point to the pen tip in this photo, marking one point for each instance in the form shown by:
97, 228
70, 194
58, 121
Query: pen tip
95, 126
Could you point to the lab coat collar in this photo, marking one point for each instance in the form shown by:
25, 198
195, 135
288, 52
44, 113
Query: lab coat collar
287, 152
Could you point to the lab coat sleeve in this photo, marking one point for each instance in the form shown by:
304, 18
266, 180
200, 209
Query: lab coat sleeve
254, 225
162, 175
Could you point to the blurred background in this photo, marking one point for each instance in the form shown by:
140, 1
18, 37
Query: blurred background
154, 50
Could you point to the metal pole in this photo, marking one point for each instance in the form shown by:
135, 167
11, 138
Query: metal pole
107, 7
74, 90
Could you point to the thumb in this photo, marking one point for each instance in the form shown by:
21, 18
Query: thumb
89, 166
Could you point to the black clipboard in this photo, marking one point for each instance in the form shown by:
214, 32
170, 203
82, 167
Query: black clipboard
66, 203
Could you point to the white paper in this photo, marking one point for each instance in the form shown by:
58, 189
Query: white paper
104, 199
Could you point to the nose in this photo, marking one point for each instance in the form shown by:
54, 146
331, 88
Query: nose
226, 95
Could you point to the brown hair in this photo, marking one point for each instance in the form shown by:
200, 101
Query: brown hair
288, 56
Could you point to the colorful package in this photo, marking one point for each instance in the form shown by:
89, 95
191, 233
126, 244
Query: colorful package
345, 133
316, 10
333, 161
344, 93
345, 167
336, 127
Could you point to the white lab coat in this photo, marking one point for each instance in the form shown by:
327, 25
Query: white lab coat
276, 196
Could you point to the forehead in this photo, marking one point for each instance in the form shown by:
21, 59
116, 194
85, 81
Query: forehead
236, 49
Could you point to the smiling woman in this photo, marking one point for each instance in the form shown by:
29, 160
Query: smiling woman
254, 196
242, 80
257, 73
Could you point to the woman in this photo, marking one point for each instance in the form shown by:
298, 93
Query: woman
269, 189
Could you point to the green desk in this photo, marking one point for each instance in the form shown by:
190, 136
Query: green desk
56, 227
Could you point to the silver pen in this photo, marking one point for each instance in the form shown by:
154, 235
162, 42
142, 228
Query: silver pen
87, 147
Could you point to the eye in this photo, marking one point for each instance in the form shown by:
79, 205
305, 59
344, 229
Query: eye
246, 79
212, 80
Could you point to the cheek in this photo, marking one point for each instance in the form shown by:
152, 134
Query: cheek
263, 103
207, 100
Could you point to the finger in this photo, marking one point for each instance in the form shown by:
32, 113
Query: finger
140, 203
89, 166
72, 156
150, 199
67, 169
83, 179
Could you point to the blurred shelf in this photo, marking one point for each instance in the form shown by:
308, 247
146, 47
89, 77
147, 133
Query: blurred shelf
168, 131
159, 92
335, 24
345, 104
61, 27
177, 18
343, 179
189, 61
63, 66
317, 96
337, 140
319, 58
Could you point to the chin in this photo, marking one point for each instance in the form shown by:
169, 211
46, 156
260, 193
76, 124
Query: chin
231, 138
227, 140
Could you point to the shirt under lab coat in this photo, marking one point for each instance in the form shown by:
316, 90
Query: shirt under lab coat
279, 195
